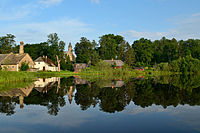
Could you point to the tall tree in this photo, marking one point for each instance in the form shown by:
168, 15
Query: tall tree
108, 46
130, 56
83, 50
143, 51
7, 43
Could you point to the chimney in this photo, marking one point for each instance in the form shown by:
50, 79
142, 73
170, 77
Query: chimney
46, 58
21, 48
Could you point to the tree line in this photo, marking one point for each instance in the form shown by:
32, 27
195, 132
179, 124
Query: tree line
142, 52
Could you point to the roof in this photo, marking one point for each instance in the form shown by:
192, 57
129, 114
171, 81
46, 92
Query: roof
11, 59
119, 63
46, 60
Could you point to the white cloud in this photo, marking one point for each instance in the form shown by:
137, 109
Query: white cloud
185, 28
95, 1
69, 30
50, 2
196, 14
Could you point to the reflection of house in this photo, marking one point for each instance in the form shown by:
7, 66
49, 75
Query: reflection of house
115, 84
115, 63
78, 80
12, 62
70, 94
19, 92
69, 52
79, 66
45, 84
45, 64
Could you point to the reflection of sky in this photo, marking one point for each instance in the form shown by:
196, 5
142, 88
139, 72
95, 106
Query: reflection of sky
34, 118
184, 115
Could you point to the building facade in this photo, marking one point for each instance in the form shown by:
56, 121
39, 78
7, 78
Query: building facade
45, 64
13, 62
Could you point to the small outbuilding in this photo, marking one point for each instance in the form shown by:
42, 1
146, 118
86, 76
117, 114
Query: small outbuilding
115, 63
79, 66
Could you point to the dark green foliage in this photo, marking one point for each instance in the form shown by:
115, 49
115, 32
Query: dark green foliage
86, 52
130, 56
189, 47
143, 51
109, 45
69, 65
165, 50
7, 44
186, 65
24, 67
36, 50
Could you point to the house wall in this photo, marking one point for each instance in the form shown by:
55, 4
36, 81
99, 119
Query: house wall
9, 67
40, 66
27, 59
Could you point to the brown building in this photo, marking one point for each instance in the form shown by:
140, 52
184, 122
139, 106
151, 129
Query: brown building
79, 67
12, 62
69, 52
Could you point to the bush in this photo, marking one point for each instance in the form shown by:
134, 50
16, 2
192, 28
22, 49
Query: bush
24, 67
102, 66
164, 67
185, 65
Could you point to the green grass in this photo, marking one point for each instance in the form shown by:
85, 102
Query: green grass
6, 76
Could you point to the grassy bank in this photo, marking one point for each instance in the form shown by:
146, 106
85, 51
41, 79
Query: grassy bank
91, 72
6, 76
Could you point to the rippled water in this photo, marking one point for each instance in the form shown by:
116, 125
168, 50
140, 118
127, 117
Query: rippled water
164, 104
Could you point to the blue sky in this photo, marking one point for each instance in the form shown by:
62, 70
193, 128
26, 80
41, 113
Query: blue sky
32, 20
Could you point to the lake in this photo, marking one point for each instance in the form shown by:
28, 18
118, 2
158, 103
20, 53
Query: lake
142, 104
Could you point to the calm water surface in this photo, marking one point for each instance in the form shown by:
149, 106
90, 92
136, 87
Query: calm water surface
53, 105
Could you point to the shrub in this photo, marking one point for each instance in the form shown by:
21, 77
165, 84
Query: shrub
164, 67
24, 67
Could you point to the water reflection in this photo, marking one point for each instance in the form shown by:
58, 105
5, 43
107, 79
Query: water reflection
109, 95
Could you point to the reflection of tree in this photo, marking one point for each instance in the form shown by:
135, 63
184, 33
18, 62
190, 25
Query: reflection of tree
86, 95
109, 99
7, 105
164, 91
112, 100
143, 93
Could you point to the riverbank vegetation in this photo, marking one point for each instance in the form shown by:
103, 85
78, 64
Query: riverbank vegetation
162, 56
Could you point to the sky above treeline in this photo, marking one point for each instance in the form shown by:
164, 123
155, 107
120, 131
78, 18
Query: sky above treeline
32, 20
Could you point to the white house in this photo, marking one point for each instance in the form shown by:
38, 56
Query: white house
45, 64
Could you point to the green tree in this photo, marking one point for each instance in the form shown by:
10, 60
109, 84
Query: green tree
130, 56
84, 50
7, 43
24, 67
143, 51
108, 46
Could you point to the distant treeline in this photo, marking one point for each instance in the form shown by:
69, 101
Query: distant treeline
163, 54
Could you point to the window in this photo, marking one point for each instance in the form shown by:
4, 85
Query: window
13, 66
38, 62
